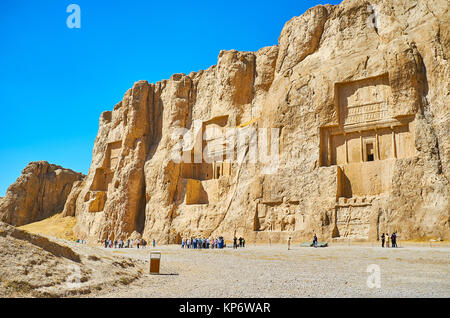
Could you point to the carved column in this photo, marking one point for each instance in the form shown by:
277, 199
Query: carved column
377, 146
361, 146
394, 147
346, 148
329, 148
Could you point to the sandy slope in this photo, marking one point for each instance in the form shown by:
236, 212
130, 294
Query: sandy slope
57, 226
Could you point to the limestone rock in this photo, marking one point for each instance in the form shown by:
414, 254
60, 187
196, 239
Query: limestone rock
357, 95
300, 37
70, 205
40, 192
135, 236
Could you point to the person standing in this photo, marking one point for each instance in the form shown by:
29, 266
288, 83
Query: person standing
154, 242
382, 240
393, 240
289, 243
235, 242
315, 240
387, 239
106, 243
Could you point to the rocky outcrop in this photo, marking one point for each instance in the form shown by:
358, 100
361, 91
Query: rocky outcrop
40, 241
37, 266
70, 205
355, 97
40, 192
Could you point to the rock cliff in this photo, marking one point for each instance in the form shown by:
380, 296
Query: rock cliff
40, 192
355, 99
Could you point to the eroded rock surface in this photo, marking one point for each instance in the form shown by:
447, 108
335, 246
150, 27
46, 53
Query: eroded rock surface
359, 93
35, 266
40, 192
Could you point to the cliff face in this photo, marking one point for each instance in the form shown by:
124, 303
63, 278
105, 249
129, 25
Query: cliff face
40, 192
356, 100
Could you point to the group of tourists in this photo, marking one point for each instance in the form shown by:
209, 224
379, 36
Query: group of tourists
385, 239
241, 242
203, 243
128, 244
206, 243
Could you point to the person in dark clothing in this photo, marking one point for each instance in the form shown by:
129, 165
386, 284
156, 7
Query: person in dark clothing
393, 240
106, 243
315, 240
382, 240
235, 242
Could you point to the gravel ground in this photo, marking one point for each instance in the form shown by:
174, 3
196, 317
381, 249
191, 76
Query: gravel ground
273, 271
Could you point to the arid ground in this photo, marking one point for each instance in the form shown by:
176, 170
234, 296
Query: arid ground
38, 265
273, 271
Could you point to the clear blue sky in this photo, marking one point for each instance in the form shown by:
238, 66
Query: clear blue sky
56, 81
